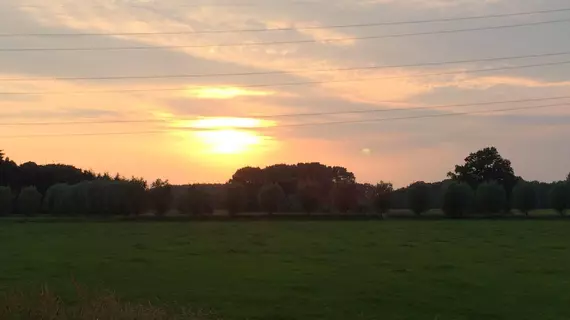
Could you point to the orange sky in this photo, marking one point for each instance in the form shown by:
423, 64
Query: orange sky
201, 129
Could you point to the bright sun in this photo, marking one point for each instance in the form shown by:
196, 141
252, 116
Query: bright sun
229, 141
226, 136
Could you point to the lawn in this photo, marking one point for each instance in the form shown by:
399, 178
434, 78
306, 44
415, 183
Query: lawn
479, 269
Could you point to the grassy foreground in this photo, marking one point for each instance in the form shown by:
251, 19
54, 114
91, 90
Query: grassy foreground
304, 270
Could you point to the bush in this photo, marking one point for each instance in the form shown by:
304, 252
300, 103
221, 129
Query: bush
525, 198
236, 198
270, 198
6, 200
558, 199
309, 196
196, 201
29, 201
457, 200
344, 196
419, 197
383, 197
491, 197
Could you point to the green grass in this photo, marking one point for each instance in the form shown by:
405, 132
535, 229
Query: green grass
305, 270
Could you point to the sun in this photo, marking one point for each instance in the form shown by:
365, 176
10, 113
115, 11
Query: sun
226, 136
229, 141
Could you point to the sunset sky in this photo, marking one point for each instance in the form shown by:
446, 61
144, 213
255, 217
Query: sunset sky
197, 105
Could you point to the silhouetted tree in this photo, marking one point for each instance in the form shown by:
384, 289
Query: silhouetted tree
196, 201
160, 196
457, 200
270, 198
484, 166
490, 197
6, 199
568, 178
383, 197
236, 198
558, 199
308, 192
29, 201
524, 197
419, 197
345, 196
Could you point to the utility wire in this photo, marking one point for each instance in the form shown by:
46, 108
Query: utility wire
289, 115
287, 84
292, 125
338, 26
250, 44
211, 75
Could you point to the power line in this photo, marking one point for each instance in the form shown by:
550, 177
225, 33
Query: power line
286, 84
208, 75
338, 26
290, 115
249, 44
293, 125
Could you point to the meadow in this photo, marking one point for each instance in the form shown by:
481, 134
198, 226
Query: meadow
395, 269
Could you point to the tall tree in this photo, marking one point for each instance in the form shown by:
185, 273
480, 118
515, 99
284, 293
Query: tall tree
558, 199
457, 200
271, 197
383, 197
525, 197
490, 197
419, 197
486, 165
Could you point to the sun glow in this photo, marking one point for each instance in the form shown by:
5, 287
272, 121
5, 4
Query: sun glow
227, 136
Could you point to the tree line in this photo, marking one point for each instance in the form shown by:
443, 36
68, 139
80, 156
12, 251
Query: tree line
484, 184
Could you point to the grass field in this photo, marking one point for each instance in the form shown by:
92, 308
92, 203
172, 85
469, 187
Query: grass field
305, 270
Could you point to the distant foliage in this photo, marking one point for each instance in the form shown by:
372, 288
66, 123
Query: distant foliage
29, 201
419, 197
160, 195
309, 195
383, 197
236, 198
491, 197
6, 199
558, 197
457, 200
525, 198
345, 196
270, 197
196, 201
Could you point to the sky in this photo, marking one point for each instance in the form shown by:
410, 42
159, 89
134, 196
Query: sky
195, 104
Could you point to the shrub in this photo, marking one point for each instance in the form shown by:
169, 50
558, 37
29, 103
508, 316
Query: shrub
457, 200
270, 198
419, 197
383, 197
29, 201
558, 199
6, 200
344, 196
196, 201
236, 198
308, 192
524, 197
491, 197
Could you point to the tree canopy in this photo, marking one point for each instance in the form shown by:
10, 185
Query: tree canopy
485, 165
